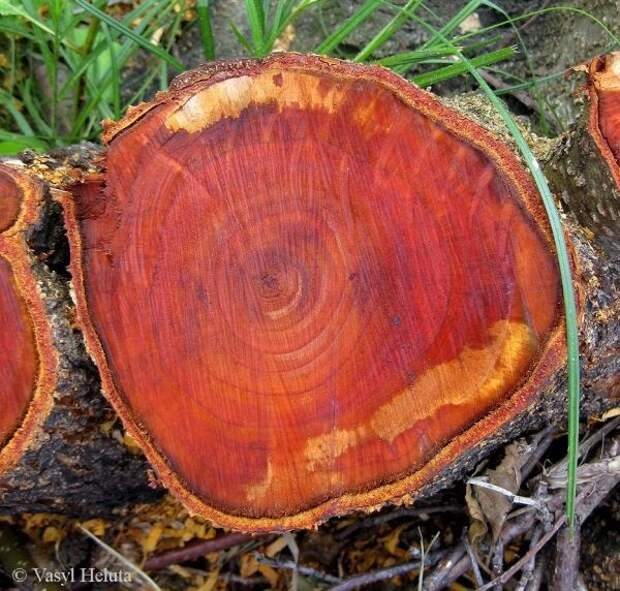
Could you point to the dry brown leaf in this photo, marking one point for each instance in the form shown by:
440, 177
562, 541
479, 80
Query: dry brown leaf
152, 539
392, 541
488, 507
95, 526
477, 522
51, 535
248, 565
269, 573
210, 582
276, 547
611, 413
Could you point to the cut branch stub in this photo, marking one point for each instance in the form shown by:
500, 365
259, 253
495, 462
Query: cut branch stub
602, 213
27, 361
604, 91
309, 287
585, 168
54, 453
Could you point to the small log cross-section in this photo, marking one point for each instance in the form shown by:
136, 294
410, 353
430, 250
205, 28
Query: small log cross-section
604, 89
53, 454
27, 363
585, 170
309, 286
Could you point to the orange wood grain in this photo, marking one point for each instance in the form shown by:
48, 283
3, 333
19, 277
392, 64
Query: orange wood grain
18, 356
27, 361
10, 201
309, 286
604, 90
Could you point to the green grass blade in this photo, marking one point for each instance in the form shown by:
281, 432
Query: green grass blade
430, 53
362, 14
34, 113
206, 29
568, 293
529, 83
615, 40
388, 31
123, 30
13, 143
20, 121
79, 66
10, 26
256, 19
116, 75
413, 57
460, 68
241, 38
8, 8
285, 12
437, 35
454, 22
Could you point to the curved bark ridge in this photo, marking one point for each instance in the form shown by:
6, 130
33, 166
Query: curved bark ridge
19, 361
304, 279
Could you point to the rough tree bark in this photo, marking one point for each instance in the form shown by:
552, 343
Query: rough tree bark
310, 287
584, 172
53, 453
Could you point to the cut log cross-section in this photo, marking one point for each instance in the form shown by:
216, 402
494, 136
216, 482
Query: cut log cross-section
309, 286
585, 170
27, 364
604, 90
53, 454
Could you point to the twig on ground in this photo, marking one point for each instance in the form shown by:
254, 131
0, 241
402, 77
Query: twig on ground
523, 97
196, 550
458, 570
566, 564
589, 498
436, 580
502, 491
517, 566
535, 582
598, 479
387, 573
528, 570
556, 475
542, 440
497, 562
385, 518
376, 576
307, 571
474, 562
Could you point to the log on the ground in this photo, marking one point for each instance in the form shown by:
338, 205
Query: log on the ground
584, 173
586, 168
54, 455
310, 287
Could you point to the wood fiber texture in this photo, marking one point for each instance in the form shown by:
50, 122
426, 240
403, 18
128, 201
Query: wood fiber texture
55, 455
605, 92
585, 169
309, 286
26, 361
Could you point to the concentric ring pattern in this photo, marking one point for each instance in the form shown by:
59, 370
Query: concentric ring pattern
304, 285
18, 353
